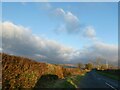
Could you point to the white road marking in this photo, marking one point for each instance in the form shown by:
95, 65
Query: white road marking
110, 86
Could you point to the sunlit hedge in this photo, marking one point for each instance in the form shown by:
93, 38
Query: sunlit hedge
20, 72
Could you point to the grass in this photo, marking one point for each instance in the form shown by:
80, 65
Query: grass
112, 76
69, 82
63, 84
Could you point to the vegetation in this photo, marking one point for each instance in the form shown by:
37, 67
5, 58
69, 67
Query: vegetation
114, 74
46, 81
69, 82
103, 67
72, 71
80, 65
63, 84
75, 80
20, 72
89, 66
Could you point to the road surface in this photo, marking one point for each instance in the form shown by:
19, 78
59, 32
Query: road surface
94, 80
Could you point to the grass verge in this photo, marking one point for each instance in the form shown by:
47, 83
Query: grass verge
109, 75
69, 82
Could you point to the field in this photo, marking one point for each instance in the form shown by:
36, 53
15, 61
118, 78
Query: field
114, 74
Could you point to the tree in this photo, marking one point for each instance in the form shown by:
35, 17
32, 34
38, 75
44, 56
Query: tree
80, 65
103, 67
98, 63
89, 66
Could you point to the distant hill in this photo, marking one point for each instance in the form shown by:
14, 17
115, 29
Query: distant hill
20, 72
68, 65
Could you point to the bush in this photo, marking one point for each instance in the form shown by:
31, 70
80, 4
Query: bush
24, 72
20, 72
89, 66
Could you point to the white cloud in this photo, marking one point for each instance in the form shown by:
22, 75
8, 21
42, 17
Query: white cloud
46, 6
89, 32
105, 51
59, 12
71, 22
97, 50
1, 49
19, 40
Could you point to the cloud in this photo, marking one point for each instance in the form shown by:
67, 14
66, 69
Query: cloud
1, 49
98, 50
105, 51
19, 40
71, 22
46, 6
89, 32
72, 25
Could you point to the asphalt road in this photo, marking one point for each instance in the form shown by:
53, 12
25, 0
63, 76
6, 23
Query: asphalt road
96, 81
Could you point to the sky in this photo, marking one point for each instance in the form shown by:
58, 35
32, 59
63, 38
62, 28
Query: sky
60, 0
64, 32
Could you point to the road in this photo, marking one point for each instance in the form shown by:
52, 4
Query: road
94, 80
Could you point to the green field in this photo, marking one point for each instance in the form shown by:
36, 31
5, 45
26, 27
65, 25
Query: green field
114, 74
